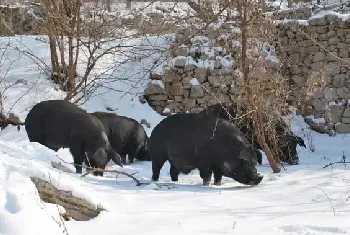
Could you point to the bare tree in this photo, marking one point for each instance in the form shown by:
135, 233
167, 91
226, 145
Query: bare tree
261, 90
63, 22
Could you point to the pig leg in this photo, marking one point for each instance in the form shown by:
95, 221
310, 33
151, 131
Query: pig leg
217, 176
78, 157
156, 167
205, 174
174, 173
132, 154
123, 157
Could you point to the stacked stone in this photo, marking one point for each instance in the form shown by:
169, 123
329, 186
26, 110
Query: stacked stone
189, 85
302, 13
19, 19
331, 40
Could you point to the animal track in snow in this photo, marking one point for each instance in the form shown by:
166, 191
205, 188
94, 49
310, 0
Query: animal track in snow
12, 203
312, 230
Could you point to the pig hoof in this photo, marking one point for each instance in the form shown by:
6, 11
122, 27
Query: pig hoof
155, 178
258, 180
206, 183
174, 179
217, 183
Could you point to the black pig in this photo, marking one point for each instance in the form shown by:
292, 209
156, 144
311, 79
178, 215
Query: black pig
126, 136
286, 140
60, 124
191, 140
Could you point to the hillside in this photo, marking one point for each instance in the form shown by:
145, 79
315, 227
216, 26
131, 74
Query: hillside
307, 199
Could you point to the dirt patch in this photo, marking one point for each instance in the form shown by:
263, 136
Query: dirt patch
77, 208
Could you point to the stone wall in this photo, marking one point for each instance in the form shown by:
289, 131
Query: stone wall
20, 19
330, 39
187, 85
199, 74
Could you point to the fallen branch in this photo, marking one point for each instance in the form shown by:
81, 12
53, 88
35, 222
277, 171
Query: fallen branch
333, 163
91, 170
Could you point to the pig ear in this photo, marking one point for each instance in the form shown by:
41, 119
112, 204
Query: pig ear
300, 141
100, 154
245, 155
116, 158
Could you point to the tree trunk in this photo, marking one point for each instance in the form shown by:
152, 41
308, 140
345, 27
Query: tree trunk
262, 142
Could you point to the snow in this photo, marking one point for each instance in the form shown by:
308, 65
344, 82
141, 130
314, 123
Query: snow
316, 120
166, 110
158, 82
194, 82
304, 199
322, 14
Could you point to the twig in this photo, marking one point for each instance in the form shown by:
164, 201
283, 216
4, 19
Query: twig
330, 201
333, 163
138, 183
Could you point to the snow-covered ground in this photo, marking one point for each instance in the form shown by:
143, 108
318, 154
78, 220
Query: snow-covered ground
304, 199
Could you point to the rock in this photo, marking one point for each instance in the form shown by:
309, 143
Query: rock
318, 94
318, 21
319, 127
346, 113
182, 51
142, 99
298, 79
217, 64
219, 80
330, 94
201, 74
186, 82
319, 104
331, 18
200, 100
78, 208
144, 122
178, 98
322, 29
196, 110
188, 104
158, 102
189, 67
339, 80
344, 54
226, 70
333, 41
196, 91
180, 62
331, 34
204, 56
294, 69
343, 93
317, 66
171, 76
155, 76
158, 97
342, 128
318, 56
334, 70
334, 113
174, 106
331, 57
186, 93
345, 120
175, 89
154, 88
